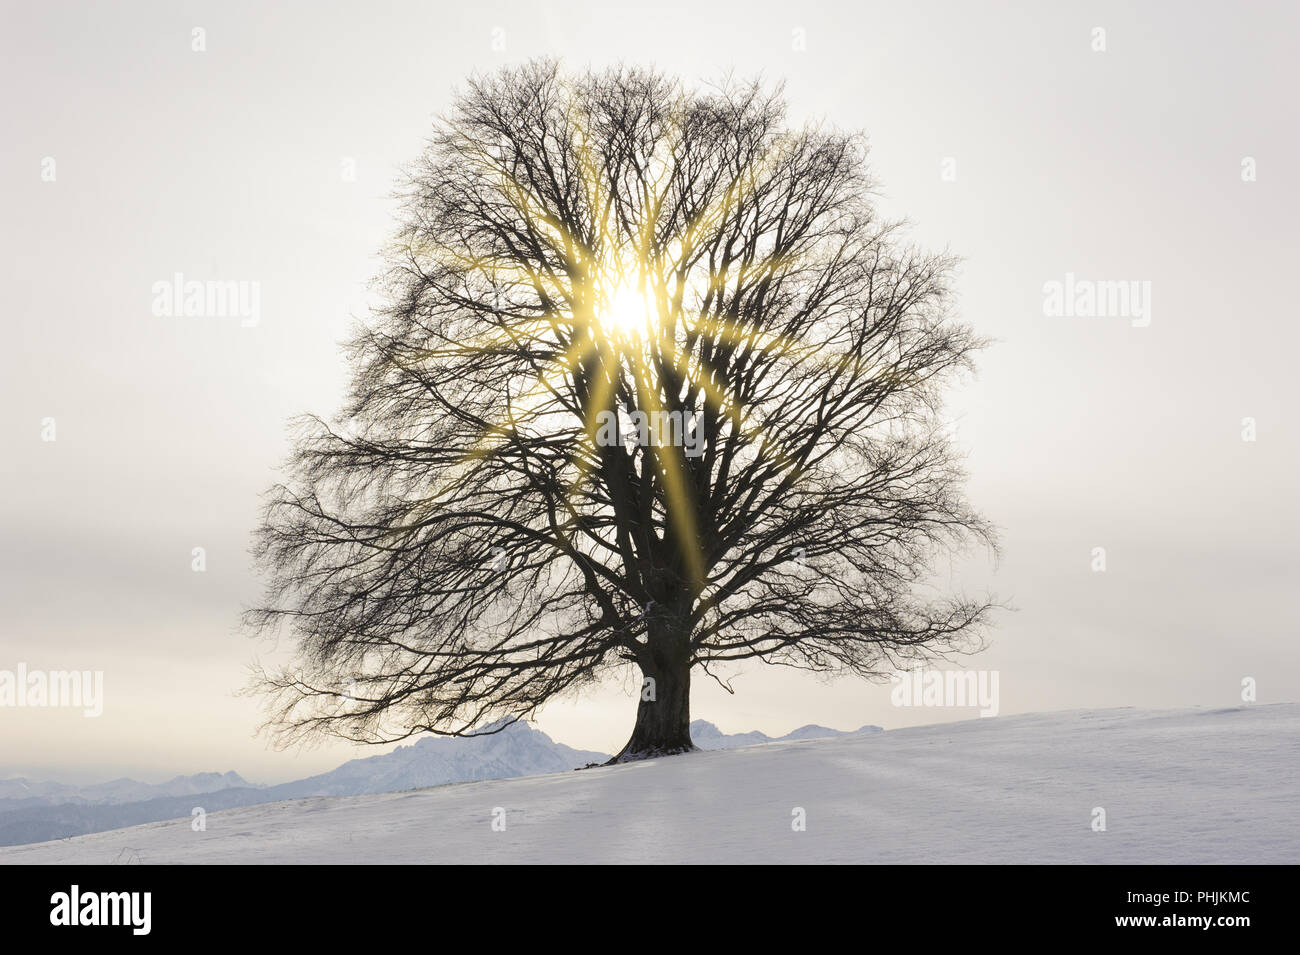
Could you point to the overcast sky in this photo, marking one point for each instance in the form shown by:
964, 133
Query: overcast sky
1122, 164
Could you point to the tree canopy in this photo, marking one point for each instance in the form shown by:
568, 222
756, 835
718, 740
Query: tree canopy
653, 384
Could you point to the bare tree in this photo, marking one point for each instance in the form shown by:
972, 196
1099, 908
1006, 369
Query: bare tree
653, 385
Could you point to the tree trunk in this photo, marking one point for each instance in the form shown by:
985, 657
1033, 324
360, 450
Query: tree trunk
663, 717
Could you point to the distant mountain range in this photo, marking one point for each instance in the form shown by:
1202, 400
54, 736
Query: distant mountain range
116, 791
518, 750
707, 736
42, 811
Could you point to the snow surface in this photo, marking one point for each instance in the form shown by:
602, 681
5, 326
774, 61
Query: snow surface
1185, 786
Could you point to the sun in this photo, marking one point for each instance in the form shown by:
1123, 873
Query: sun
627, 313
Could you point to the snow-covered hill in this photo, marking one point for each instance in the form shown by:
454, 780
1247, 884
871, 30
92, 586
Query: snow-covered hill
39, 812
1189, 786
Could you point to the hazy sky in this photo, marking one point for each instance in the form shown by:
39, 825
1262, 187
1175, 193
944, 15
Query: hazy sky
1120, 165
